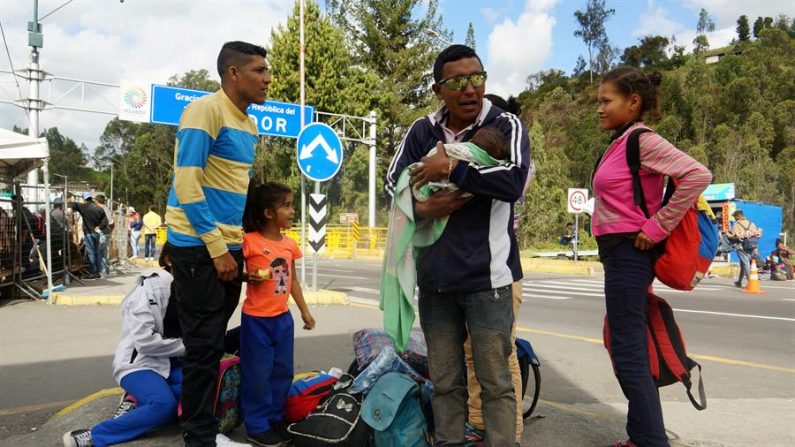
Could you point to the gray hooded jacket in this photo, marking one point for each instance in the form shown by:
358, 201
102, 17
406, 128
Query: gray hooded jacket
142, 345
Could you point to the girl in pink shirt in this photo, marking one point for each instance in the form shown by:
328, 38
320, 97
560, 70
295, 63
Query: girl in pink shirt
626, 236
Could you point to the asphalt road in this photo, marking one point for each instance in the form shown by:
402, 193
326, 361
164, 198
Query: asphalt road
745, 344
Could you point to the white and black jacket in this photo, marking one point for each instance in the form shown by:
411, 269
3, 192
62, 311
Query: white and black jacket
478, 249
142, 345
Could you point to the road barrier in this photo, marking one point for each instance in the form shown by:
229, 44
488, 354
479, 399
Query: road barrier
343, 241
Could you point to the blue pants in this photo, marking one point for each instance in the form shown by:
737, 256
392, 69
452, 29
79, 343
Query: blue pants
92, 252
157, 406
266, 369
104, 242
628, 274
745, 266
488, 317
149, 245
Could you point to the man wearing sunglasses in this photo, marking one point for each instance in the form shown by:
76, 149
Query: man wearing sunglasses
465, 277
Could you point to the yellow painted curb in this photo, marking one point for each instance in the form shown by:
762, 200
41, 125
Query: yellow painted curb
325, 297
88, 399
64, 299
538, 265
724, 270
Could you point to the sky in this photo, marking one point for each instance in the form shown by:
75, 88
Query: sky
150, 40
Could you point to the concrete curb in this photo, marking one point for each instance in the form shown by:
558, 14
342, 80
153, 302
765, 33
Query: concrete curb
65, 299
586, 268
320, 297
325, 297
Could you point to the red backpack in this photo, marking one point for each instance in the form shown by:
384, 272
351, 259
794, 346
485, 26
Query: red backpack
668, 358
687, 253
306, 394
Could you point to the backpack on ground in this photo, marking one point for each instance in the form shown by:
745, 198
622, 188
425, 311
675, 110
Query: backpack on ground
393, 409
336, 422
227, 397
687, 253
668, 360
226, 407
306, 394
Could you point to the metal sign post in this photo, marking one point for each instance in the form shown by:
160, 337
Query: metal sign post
319, 155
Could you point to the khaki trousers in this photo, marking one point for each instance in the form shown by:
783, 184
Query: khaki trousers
473, 386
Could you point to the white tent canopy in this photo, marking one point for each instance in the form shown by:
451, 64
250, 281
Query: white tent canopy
20, 154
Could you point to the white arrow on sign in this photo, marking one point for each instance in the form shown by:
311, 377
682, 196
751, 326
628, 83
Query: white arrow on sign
308, 149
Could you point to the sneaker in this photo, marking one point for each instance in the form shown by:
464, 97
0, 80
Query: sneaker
738, 284
267, 439
78, 438
127, 404
626, 443
473, 434
221, 440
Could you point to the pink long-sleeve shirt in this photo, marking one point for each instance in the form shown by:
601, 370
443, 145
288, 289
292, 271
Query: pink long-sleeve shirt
615, 210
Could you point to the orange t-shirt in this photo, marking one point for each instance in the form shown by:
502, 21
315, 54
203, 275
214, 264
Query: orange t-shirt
269, 298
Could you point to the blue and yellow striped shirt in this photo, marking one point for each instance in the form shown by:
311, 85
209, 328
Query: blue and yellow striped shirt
213, 157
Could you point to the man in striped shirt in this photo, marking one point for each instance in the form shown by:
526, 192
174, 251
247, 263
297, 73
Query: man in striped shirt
213, 157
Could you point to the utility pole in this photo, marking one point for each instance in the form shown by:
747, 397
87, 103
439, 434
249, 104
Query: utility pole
34, 105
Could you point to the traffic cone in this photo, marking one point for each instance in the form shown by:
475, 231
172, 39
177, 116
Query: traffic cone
753, 281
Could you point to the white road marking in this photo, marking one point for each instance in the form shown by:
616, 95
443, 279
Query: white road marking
526, 290
339, 276
362, 289
726, 314
545, 297
537, 287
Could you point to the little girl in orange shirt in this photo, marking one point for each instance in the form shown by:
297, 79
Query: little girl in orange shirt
266, 329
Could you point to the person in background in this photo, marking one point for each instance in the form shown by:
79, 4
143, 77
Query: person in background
95, 221
151, 222
784, 254
106, 235
626, 234
742, 230
475, 427
135, 224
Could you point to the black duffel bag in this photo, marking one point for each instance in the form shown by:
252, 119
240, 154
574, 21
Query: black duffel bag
335, 422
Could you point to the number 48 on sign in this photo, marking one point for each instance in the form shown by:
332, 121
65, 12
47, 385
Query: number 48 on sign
576, 203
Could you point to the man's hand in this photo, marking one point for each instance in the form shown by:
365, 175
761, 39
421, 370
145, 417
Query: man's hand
435, 167
642, 242
442, 204
226, 266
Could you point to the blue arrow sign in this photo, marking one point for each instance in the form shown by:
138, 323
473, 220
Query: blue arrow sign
280, 119
319, 152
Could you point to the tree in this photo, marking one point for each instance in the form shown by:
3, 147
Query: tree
759, 25
470, 39
743, 29
334, 85
579, 67
649, 54
592, 29
705, 25
66, 157
389, 39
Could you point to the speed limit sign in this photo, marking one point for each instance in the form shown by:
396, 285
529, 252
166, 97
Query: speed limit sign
577, 199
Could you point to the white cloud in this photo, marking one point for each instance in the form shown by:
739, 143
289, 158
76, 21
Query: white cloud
655, 22
137, 40
726, 12
518, 48
490, 14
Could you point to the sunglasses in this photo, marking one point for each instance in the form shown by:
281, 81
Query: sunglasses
459, 83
